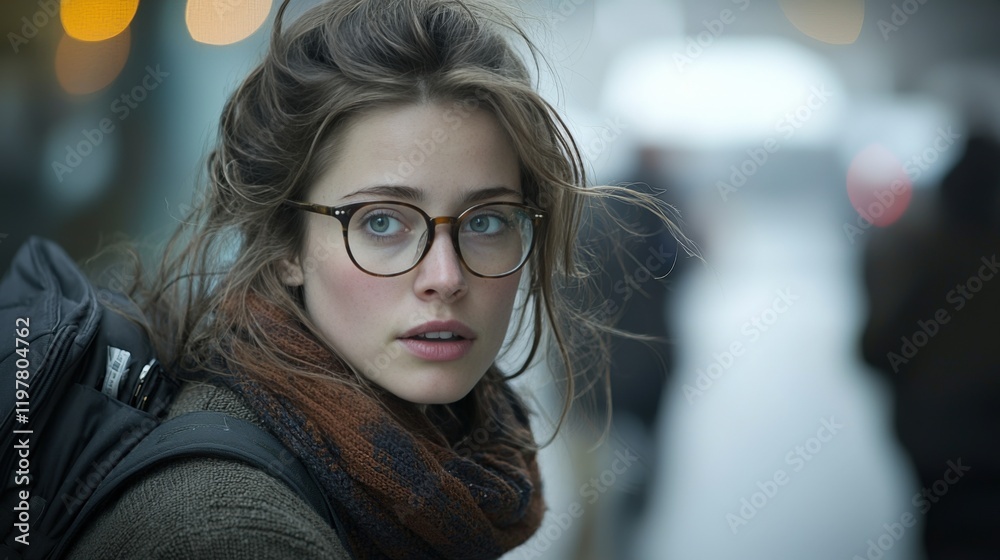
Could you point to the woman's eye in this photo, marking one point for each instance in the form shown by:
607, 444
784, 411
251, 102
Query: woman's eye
383, 224
486, 223
379, 224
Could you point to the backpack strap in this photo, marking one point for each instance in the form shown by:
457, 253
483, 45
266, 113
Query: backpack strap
217, 435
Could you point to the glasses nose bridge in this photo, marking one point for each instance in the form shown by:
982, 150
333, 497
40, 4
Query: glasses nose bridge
433, 223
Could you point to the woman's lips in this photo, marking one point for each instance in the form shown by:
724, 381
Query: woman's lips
455, 327
439, 341
437, 350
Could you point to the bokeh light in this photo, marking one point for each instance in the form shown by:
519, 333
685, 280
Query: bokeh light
223, 22
728, 92
96, 20
837, 23
878, 185
81, 160
84, 67
907, 126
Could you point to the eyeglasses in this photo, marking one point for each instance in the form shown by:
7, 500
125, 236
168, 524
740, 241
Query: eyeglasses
390, 238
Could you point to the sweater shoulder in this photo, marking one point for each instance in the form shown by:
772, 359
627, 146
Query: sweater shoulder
208, 508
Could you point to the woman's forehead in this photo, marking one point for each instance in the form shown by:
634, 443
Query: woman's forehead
421, 151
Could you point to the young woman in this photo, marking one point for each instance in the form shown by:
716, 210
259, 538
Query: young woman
385, 184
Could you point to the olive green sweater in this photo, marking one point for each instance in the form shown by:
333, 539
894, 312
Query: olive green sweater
208, 508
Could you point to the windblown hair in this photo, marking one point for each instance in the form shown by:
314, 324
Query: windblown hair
334, 64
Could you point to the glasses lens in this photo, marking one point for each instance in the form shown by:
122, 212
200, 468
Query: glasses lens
495, 239
386, 238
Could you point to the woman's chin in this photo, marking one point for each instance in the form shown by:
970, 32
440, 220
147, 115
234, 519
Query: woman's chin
432, 385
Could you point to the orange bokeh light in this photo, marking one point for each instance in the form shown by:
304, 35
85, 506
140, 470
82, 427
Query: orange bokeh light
223, 22
96, 20
84, 67
837, 23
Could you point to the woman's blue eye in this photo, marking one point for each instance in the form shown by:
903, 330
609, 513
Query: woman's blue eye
486, 223
383, 224
379, 224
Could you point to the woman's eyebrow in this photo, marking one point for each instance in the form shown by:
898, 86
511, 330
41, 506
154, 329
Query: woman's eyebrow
417, 195
488, 193
392, 191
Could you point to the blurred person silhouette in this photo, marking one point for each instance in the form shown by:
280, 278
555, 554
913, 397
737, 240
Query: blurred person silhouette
933, 301
639, 262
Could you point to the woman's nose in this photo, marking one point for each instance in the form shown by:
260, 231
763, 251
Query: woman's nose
440, 274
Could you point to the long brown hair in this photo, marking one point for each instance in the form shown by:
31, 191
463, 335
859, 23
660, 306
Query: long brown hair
333, 64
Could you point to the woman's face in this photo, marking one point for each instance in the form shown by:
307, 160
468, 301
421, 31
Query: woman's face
442, 159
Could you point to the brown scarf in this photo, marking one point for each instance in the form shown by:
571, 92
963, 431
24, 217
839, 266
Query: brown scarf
403, 483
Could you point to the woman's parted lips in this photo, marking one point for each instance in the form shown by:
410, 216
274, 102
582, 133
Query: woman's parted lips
456, 327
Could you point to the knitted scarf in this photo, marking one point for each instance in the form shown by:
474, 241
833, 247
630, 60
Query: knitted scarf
404, 483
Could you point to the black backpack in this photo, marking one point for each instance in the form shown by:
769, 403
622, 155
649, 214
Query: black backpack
82, 404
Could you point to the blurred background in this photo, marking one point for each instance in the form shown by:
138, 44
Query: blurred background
827, 386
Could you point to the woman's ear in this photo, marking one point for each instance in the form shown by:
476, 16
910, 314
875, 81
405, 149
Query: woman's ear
291, 272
